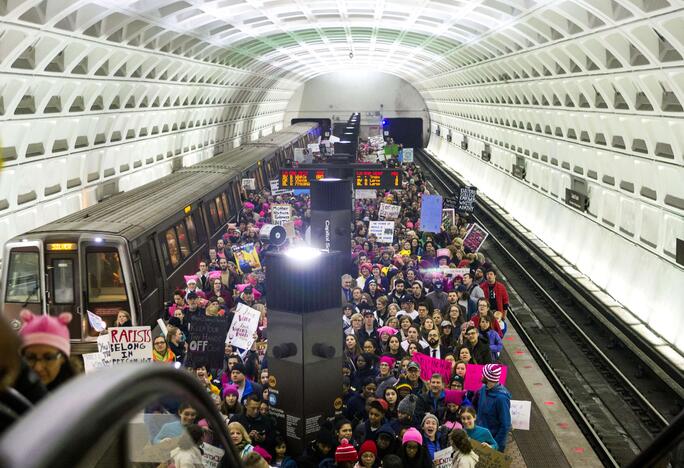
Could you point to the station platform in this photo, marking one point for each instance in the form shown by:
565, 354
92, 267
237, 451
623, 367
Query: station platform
554, 439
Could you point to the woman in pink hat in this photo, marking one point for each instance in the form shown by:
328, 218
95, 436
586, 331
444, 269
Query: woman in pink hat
46, 347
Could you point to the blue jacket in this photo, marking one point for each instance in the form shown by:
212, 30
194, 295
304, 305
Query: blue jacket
481, 434
494, 412
495, 344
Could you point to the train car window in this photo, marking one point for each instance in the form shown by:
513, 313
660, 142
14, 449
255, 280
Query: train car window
221, 213
23, 277
215, 222
183, 242
231, 200
142, 278
226, 206
199, 225
238, 199
63, 280
172, 247
192, 232
105, 277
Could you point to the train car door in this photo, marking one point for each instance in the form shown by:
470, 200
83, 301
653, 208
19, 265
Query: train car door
149, 281
63, 284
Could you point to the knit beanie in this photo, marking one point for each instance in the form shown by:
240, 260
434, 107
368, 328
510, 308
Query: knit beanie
46, 330
345, 452
412, 435
368, 446
230, 390
387, 360
454, 396
408, 404
240, 367
429, 416
492, 372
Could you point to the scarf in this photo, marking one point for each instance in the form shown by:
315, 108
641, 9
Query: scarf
167, 357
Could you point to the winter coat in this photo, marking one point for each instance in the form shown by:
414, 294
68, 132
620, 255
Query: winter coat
482, 435
464, 460
494, 412
427, 403
495, 343
480, 351
500, 294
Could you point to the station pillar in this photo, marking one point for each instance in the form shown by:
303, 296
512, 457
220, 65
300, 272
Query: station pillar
331, 217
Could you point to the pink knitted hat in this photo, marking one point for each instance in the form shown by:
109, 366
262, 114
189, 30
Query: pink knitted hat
388, 360
46, 330
412, 435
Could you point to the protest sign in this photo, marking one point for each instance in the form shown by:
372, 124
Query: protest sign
473, 377
96, 322
249, 184
431, 213
429, 365
244, 325
488, 457
280, 214
131, 344
383, 230
448, 218
365, 194
211, 456
450, 202
388, 211
466, 199
299, 155
207, 341
407, 155
314, 147
275, 188
104, 347
520, 414
246, 258
475, 237
442, 458
93, 361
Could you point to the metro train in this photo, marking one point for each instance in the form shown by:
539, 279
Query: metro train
131, 250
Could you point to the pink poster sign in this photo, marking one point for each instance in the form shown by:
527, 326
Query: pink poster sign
473, 377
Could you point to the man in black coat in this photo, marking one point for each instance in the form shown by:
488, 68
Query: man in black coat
479, 347
260, 428
434, 349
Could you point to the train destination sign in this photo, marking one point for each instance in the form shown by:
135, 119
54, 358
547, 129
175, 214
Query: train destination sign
385, 179
299, 178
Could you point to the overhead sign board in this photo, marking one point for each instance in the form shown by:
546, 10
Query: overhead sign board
299, 178
386, 179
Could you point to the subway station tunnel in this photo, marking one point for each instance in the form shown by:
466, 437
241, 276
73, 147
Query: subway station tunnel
528, 100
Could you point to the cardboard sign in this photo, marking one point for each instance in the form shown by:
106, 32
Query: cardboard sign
131, 344
365, 194
490, 458
407, 155
429, 365
520, 414
448, 217
104, 347
431, 213
442, 458
207, 342
246, 258
473, 377
93, 361
211, 456
249, 184
280, 214
475, 237
388, 211
466, 199
243, 327
383, 230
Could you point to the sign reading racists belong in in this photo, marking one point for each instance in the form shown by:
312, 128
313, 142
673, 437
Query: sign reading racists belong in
383, 230
207, 342
131, 344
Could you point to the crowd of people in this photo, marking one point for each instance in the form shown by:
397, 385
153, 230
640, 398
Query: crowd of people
398, 300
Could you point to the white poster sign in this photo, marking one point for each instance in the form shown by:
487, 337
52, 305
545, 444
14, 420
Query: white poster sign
407, 155
443, 458
388, 211
299, 155
93, 361
274, 185
383, 230
249, 184
365, 194
131, 344
96, 322
520, 414
280, 214
243, 327
104, 347
314, 148
211, 456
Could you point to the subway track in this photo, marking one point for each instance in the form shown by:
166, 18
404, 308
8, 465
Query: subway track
620, 395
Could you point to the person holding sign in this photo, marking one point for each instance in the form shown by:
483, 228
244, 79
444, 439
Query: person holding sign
46, 347
493, 403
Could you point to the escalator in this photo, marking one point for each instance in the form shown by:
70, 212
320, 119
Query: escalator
127, 416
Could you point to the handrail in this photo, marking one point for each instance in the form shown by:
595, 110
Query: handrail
661, 445
61, 429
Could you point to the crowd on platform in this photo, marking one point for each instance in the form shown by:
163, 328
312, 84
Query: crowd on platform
401, 302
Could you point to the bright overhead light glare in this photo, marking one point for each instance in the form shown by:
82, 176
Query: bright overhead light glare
303, 253
330, 179
98, 240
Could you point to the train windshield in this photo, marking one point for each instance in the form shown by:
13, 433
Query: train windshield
105, 278
23, 277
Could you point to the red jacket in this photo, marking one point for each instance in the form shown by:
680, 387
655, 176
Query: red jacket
500, 293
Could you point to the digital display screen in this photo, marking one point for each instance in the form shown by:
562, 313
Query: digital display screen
299, 178
386, 179
62, 246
